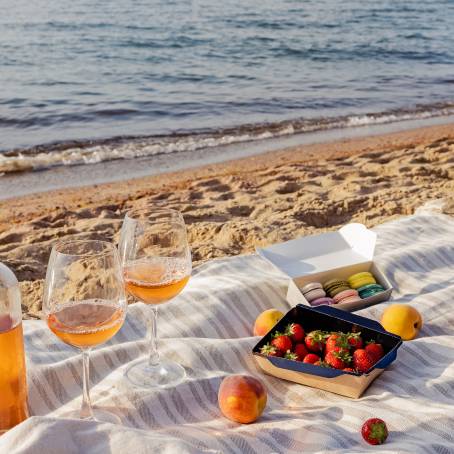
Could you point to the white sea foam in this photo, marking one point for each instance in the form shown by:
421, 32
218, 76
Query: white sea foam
364, 120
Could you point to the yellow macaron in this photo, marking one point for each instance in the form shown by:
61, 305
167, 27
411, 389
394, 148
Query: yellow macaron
361, 279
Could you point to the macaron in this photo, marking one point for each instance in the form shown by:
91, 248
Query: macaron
346, 296
335, 286
313, 291
321, 301
351, 299
370, 290
361, 279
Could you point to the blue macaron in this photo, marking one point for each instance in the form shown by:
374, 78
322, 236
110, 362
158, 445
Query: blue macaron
370, 290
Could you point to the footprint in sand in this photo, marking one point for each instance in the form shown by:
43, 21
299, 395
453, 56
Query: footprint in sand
224, 196
240, 210
288, 188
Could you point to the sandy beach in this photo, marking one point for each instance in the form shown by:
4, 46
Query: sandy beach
232, 207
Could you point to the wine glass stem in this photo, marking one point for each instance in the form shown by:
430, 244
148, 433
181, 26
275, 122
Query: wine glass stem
86, 412
153, 358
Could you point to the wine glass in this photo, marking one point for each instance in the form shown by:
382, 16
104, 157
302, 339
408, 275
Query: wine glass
85, 304
157, 265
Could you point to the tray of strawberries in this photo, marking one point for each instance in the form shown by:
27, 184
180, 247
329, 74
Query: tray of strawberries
327, 348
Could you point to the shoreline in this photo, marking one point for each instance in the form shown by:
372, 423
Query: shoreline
233, 206
18, 184
326, 150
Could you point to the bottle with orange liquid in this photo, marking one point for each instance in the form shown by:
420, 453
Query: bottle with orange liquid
13, 385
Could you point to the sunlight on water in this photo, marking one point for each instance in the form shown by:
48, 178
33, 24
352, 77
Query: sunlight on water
97, 69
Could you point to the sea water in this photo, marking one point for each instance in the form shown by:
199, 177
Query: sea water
95, 80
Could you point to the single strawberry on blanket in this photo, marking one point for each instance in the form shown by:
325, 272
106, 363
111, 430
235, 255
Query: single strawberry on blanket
295, 332
282, 342
374, 431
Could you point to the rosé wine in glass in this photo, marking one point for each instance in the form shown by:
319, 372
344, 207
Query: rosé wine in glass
85, 304
157, 265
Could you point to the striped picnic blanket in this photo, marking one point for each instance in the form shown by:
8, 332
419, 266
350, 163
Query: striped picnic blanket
208, 330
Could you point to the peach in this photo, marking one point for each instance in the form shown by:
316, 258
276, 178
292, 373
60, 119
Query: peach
266, 320
242, 398
403, 320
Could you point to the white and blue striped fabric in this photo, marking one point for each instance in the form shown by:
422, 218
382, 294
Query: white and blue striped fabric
208, 330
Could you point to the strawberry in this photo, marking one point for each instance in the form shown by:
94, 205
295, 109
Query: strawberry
362, 360
291, 355
354, 340
315, 341
301, 351
337, 342
374, 431
375, 350
348, 369
338, 360
321, 364
282, 342
311, 358
295, 332
270, 350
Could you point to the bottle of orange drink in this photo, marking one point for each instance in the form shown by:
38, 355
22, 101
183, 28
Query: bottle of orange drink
13, 385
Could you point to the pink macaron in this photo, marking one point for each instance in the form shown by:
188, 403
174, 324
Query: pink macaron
351, 299
345, 295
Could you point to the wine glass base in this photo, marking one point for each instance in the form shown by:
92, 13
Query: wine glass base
166, 374
98, 415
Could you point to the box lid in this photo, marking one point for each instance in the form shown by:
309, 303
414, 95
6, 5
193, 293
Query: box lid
350, 245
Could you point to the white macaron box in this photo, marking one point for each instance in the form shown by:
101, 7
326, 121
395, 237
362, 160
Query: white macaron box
332, 255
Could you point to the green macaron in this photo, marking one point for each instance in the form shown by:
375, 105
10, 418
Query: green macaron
370, 290
335, 286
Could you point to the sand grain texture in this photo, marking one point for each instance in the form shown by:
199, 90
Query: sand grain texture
230, 208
